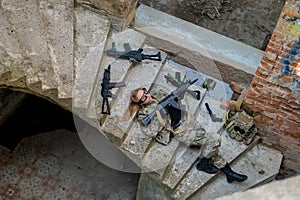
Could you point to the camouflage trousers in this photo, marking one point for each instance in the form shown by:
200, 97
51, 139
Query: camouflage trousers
209, 143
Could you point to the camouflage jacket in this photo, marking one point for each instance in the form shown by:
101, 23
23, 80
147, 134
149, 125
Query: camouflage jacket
155, 129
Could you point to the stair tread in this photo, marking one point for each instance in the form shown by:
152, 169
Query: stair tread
119, 67
194, 179
259, 164
91, 32
25, 17
4, 62
8, 40
58, 19
141, 145
141, 75
11, 50
12, 70
136, 143
185, 158
205, 120
158, 157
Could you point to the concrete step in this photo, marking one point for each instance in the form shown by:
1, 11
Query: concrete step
8, 40
185, 157
5, 70
18, 70
25, 17
91, 32
140, 75
260, 164
136, 141
10, 45
182, 174
195, 179
119, 67
12, 70
183, 160
58, 18
158, 156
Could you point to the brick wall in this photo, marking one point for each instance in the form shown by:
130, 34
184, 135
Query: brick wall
275, 88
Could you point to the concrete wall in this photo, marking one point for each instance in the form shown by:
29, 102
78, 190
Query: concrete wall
206, 51
275, 88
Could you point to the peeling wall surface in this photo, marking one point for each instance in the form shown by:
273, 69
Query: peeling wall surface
120, 12
275, 88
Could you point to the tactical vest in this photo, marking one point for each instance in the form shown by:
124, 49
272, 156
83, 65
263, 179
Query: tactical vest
239, 126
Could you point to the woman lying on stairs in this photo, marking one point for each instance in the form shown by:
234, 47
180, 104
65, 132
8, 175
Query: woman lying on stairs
189, 132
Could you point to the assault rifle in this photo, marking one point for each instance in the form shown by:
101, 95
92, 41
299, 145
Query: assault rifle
130, 54
106, 85
177, 82
171, 105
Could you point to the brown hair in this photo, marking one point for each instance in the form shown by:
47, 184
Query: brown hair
133, 107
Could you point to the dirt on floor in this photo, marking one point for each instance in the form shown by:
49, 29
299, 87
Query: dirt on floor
249, 21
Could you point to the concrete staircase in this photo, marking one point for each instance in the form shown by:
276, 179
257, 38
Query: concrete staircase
56, 50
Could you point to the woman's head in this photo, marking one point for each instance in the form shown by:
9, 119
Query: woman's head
140, 96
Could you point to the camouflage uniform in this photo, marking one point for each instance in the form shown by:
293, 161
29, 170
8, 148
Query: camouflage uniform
191, 134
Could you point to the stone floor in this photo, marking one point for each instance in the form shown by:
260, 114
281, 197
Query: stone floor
56, 166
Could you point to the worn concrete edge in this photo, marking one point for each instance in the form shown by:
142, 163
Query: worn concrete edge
273, 176
64, 103
149, 184
214, 176
119, 23
187, 35
284, 189
273, 158
118, 137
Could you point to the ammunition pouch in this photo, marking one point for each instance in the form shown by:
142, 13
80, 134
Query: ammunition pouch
240, 127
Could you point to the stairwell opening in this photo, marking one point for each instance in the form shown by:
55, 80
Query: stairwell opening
33, 116
39, 141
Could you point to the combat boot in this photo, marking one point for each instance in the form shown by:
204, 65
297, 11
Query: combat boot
233, 176
205, 165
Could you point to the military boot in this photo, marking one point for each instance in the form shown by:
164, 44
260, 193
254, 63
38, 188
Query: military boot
205, 165
233, 176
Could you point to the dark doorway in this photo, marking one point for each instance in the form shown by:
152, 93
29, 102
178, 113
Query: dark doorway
35, 115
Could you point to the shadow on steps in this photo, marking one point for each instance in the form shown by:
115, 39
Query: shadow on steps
35, 115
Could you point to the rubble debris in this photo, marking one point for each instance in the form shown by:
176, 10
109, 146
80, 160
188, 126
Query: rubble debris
210, 8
